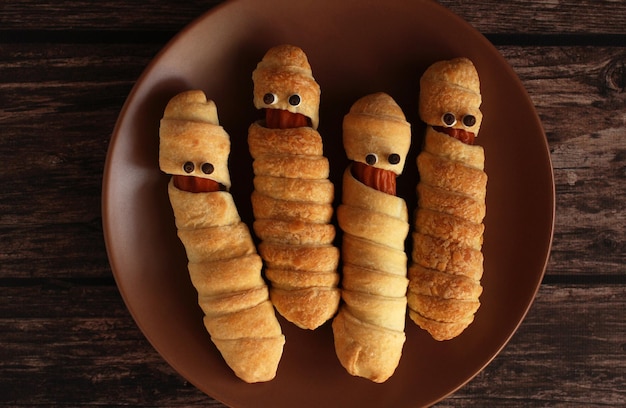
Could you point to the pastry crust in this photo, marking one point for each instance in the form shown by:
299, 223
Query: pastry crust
294, 232
308, 307
369, 329
450, 227
441, 145
356, 278
292, 198
285, 71
370, 118
431, 282
293, 166
447, 262
224, 266
365, 224
191, 210
188, 130
445, 255
266, 207
453, 176
450, 202
450, 86
320, 191
440, 331
367, 350
302, 141
361, 196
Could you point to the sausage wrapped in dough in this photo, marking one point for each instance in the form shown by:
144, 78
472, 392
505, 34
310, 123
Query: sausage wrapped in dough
447, 265
369, 328
292, 198
223, 263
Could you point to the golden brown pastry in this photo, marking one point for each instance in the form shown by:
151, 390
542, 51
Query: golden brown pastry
292, 198
369, 328
223, 264
447, 262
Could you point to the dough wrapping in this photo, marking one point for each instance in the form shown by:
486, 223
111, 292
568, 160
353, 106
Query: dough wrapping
369, 328
447, 262
223, 263
292, 197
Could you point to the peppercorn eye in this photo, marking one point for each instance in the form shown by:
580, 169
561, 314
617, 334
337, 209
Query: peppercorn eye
394, 158
294, 100
269, 98
188, 167
469, 120
448, 119
371, 159
208, 168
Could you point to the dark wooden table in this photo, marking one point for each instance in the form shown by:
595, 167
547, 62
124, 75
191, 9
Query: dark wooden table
66, 337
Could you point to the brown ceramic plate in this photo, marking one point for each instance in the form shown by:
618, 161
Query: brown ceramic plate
355, 47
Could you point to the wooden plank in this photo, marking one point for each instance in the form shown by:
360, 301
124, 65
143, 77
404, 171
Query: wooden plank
50, 213
87, 15
579, 95
541, 17
570, 348
538, 17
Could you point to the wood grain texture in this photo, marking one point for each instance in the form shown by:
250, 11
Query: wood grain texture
538, 17
579, 95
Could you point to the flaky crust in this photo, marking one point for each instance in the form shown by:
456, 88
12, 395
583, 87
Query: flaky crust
295, 232
361, 196
369, 329
445, 255
440, 331
292, 198
285, 71
431, 282
189, 132
308, 308
224, 266
366, 350
448, 148
266, 207
447, 262
451, 175
295, 189
302, 141
356, 278
450, 86
376, 124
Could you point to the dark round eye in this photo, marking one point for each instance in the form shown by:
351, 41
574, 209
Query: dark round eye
208, 168
469, 120
394, 158
294, 100
188, 167
269, 98
448, 119
371, 159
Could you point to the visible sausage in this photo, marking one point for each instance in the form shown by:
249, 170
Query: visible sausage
193, 184
459, 134
282, 119
376, 178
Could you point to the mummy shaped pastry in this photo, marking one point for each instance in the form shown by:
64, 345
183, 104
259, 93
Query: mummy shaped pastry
292, 198
448, 232
223, 263
369, 328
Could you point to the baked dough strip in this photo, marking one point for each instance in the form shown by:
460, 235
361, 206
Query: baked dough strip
447, 262
223, 264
